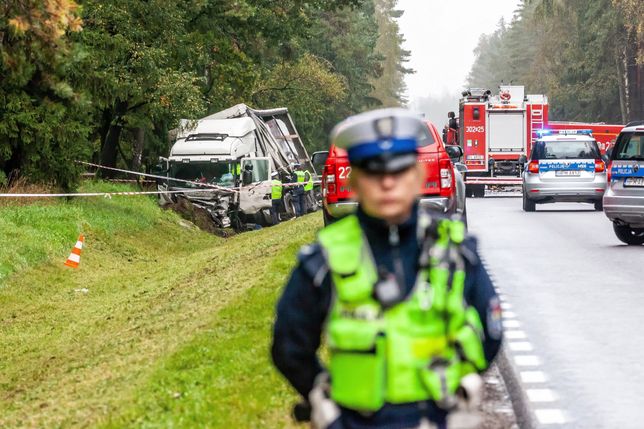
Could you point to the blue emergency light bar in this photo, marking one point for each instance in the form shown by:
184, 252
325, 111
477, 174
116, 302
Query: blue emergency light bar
542, 133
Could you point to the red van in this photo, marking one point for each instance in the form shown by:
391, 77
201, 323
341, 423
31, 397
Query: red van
443, 191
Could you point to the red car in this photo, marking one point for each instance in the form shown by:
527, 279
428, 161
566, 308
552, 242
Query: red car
443, 191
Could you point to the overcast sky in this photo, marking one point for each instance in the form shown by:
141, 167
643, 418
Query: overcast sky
441, 36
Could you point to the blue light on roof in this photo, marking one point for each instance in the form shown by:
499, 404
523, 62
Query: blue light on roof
576, 132
542, 133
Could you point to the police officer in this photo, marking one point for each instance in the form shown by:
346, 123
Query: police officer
298, 191
408, 312
308, 192
276, 197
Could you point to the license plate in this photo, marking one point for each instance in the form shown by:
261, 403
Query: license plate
634, 181
567, 173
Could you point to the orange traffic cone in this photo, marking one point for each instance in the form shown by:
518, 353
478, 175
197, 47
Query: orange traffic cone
74, 257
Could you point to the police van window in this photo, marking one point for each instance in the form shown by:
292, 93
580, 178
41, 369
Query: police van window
565, 150
631, 146
426, 138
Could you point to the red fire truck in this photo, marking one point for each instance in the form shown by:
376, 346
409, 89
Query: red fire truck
497, 131
605, 134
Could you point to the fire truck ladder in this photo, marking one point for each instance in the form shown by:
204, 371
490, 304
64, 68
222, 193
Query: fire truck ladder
536, 121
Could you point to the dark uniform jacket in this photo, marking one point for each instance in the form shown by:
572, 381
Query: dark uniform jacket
303, 308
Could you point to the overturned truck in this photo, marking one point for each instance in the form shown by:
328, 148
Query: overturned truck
234, 152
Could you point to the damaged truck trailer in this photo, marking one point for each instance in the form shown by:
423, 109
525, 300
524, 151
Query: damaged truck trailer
235, 152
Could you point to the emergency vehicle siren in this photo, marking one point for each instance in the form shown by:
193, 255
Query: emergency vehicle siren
546, 132
74, 257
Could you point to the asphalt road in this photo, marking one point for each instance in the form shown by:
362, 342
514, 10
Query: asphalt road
574, 305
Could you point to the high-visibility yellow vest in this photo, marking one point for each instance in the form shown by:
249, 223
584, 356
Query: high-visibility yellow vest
416, 350
276, 189
309, 182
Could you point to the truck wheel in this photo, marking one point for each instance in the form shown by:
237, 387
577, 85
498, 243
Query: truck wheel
266, 219
599, 205
528, 205
478, 191
289, 206
628, 235
475, 191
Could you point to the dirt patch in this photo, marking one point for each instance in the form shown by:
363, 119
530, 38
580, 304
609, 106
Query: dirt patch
198, 216
496, 407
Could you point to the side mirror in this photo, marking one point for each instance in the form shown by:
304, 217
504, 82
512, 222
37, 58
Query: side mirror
455, 152
462, 168
159, 169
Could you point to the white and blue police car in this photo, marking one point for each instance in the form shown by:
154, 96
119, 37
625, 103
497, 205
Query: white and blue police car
564, 166
624, 199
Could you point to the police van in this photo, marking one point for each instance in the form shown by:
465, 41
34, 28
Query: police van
564, 166
624, 199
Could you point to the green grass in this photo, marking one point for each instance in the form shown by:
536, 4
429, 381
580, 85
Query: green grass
174, 330
31, 234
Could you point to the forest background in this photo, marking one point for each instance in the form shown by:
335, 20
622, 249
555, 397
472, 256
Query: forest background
106, 81
587, 56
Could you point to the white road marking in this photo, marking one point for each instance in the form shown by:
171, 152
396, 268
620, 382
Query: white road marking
515, 335
527, 360
550, 416
530, 362
541, 395
520, 346
533, 377
510, 324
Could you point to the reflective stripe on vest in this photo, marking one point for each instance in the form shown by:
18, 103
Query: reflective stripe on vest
276, 189
417, 350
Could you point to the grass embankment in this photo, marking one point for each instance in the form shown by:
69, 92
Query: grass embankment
174, 329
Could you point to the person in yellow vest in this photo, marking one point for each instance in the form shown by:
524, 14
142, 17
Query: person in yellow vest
399, 296
276, 197
298, 191
309, 198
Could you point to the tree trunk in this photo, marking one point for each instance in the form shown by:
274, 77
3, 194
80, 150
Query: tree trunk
623, 81
110, 147
137, 151
109, 150
636, 89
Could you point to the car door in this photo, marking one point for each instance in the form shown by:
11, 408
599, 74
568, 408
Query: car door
255, 195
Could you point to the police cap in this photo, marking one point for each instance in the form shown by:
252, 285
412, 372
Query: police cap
380, 141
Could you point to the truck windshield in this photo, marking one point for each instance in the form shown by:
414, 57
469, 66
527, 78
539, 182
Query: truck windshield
630, 146
218, 173
565, 150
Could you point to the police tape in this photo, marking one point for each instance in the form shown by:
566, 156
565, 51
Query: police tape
208, 185
105, 194
137, 173
211, 188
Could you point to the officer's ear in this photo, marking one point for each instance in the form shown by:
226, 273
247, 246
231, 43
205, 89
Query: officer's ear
353, 177
420, 174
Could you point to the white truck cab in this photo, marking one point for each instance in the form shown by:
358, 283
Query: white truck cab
237, 148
